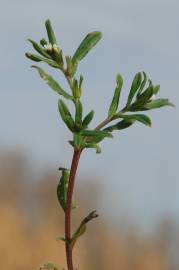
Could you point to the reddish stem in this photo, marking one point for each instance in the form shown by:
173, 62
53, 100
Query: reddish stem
74, 165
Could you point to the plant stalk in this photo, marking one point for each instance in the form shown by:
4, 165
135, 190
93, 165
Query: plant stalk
74, 165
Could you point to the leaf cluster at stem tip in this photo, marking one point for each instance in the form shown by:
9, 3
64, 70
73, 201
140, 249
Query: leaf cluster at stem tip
141, 96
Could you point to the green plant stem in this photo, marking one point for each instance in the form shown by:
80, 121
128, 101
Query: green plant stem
74, 165
103, 123
108, 120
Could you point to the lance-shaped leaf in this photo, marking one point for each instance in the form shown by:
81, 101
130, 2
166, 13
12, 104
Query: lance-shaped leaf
155, 104
88, 118
52, 83
142, 84
134, 87
139, 117
95, 136
50, 32
115, 101
66, 115
82, 228
142, 100
39, 49
63, 187
86, 45
78, 113
93, 133
49, 266
37, 58
120, 125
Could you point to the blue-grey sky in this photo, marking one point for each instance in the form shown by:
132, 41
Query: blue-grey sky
139, 167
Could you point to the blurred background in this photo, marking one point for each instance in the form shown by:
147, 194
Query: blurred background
134, 183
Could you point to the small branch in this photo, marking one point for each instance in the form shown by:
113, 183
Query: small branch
103, 123
108, 120
74, 165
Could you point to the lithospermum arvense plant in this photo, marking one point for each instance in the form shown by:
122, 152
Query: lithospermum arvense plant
142, 97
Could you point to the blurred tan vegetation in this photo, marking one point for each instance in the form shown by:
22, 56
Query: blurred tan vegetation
31, 219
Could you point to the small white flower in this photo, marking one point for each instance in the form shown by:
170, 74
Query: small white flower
153, 97
48, 47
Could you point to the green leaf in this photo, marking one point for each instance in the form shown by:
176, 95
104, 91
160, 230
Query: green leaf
115, 101
142, 84
139, 117
39, 49
38, 58
120, 125
33, 57
146, 95
65, 115
155, 104
142, 100
94, 133
134, 87
95, 136
62, 188
50, 32
78, 113
52, 83
86, 45
88, 118
82, 228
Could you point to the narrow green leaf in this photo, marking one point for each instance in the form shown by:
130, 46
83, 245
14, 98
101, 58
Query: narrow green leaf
115, 101
33, 57
38, 58
94, 133
50, 32
155, 104
62, 188
142, 84
65, 108
79, 112
82, 228
120, 125
142, 100
52, 83
66, 116
39, 49
88, 118
134, 87
76, 90
146, 95
139, 117
86, 45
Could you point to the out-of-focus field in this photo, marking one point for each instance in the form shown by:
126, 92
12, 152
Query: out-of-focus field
31, 219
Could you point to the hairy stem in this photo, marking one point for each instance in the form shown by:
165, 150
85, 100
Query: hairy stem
74, 165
